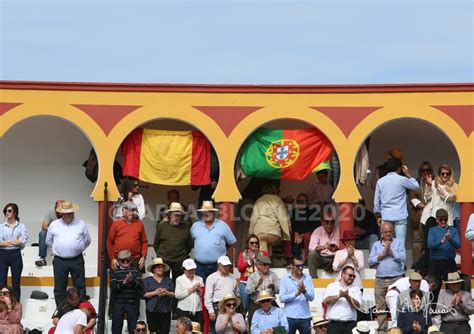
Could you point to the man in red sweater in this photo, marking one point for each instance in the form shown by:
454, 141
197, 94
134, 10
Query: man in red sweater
127, 233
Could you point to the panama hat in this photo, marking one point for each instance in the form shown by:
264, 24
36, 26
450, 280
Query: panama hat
175, 207
434, 330
207, 206
264, 295
196, 327
156, 262
414, 276
319, 321
229, 296
395, 330
453, 278
67, 207
361, 328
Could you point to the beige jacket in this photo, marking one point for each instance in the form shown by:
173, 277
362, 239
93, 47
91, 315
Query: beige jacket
270, 215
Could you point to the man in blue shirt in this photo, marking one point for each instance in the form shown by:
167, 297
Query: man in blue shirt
390, 201
268, 319
211, 238
296, 291
442, 242
388, 256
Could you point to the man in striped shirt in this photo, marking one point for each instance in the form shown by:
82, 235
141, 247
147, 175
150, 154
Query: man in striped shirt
127, 290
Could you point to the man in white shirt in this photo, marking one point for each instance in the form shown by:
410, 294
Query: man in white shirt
75, 322
398, 295
68, 237
342, 298
218, 285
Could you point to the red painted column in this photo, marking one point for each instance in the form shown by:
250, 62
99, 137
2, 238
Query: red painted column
226, 213
466, 245
346, 217
100, 221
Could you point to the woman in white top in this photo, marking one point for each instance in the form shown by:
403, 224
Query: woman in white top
188, 292
441, 192
349, 256
129, 192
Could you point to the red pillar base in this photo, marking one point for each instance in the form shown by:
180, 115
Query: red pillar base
226, 213
466, 245
346, 217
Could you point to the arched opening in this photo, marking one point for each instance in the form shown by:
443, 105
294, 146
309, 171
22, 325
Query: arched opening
418, 141
156, 195
41, 162
290, 189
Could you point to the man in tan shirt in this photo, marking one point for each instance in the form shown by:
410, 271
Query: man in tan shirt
270, 221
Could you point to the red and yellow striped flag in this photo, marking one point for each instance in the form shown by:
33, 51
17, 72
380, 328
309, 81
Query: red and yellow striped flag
172, 158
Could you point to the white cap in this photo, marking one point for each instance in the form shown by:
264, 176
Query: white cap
224, 260
189, 264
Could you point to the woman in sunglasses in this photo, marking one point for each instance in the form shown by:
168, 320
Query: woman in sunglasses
246, 266
13, 238
441, 192
10, 312
229, 321
129, 193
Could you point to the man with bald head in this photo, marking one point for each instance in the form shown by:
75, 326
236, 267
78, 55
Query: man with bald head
387, 256
49, 217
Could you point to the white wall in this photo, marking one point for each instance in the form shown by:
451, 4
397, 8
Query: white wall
41, 162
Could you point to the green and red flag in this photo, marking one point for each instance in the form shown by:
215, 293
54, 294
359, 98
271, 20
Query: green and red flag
284, 154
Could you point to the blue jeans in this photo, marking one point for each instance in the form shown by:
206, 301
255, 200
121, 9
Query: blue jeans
11, 258
203, 270
400, 229
42, 243
244, 297
302, 325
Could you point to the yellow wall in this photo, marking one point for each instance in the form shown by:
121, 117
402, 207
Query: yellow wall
179, 106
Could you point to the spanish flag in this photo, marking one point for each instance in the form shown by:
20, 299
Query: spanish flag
174, 158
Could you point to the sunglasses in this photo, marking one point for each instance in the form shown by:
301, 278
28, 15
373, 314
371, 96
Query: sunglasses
9, 210
445, 174
253, 242
140, 330
124, 260
299, 266
443, 219
5, 293
329, 221
266, 301
231, 305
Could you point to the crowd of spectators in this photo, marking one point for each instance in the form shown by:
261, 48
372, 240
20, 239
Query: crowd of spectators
201, 290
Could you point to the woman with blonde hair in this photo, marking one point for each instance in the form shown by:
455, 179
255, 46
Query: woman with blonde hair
229, 321
440, 193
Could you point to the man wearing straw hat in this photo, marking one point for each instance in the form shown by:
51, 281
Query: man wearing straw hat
173, 241
68, 237
320, 325
268, 319
211, 238
455, 306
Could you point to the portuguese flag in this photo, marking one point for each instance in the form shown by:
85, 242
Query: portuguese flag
284, 154
172, 158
